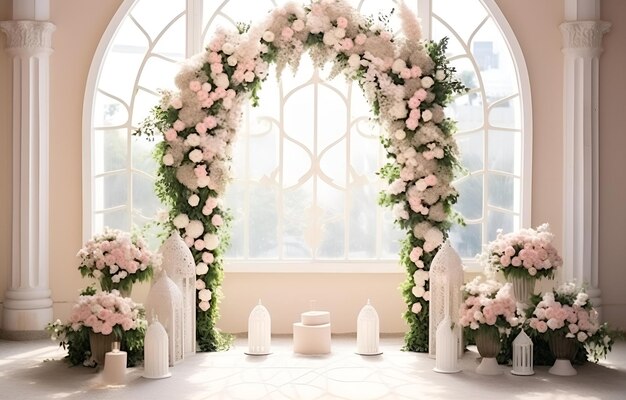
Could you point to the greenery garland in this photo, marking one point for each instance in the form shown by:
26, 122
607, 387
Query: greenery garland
407, 83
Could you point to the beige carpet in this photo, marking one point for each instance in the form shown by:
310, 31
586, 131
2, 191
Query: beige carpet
35, 370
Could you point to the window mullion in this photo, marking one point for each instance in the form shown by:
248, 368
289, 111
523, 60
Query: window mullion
193, 32
424, 10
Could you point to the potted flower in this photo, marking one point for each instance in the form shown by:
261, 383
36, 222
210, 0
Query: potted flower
116, 259
523, 257
488, 311
106, 317
567, 321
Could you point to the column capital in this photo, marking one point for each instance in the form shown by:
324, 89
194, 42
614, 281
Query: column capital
31, 35
584, 34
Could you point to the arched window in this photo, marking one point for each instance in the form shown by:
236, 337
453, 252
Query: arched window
305, 186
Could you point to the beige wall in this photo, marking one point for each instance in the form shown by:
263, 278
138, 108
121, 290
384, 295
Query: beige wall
612, 273
75, 41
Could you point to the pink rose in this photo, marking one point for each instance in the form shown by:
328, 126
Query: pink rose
170, 134
195, 85
342, 22
360, 39
217, 220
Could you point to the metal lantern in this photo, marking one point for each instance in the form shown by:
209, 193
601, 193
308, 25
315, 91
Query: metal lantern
156, 352
368, 331
522, 355
166, 302
259, 331
446, 279
180, 266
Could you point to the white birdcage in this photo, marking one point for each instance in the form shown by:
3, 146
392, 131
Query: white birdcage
259, 331
522, 355
156, 351
368, 331
166, 302
180, 266
446, 279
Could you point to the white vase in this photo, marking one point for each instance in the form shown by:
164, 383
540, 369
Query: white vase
523, 288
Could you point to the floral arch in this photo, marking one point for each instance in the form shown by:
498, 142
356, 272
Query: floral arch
407, 83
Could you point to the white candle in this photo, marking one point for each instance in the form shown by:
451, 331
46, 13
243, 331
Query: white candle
115, 366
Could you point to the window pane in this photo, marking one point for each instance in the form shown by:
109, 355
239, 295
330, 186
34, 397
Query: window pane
499, 220
502, 192
111, 154
467, 240
470, 203
112, 190
505, 151
471, 149
506, 114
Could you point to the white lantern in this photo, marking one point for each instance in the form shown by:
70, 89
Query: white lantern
156, 352
115, 366
446, 279
446, 359
368, 331
180, 266
165, 300
259, 331
522, 355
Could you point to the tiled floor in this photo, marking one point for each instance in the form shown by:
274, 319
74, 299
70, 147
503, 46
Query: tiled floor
34, 370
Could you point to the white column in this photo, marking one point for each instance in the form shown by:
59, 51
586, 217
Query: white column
582, 46
27, 301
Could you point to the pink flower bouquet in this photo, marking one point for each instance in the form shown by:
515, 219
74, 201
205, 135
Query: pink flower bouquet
117, 259
567, 312
489, 305
527, 252
106, 313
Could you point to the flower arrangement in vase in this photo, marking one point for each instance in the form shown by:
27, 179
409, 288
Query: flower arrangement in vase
116, 259
98, 320
488, 312
567, 321
523, 257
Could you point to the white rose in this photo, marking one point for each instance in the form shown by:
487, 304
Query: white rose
433, 238
248, 76
168, 159
398, 66
440, 75
211, 241
268, 36
416, 308
228, 48
196, 155
581, 336
200, 284
427, 82
204, 305
418, 291
354, 61
193, 200
400, 134
232, 61
194, 229
330, 39
221, 80
204, 295
427, 115
181, 221
202, 269
192, 140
